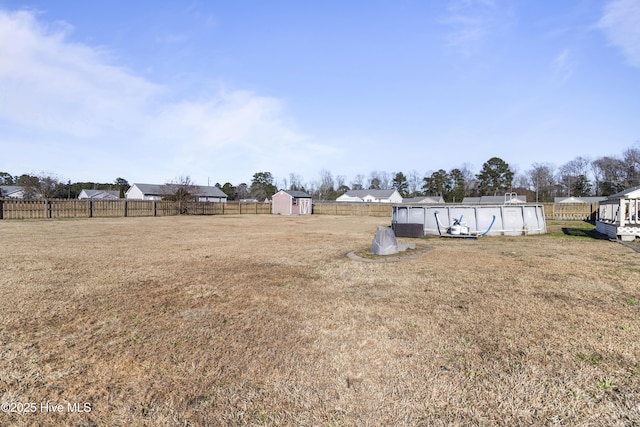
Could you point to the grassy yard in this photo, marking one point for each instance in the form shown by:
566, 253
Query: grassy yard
263, 320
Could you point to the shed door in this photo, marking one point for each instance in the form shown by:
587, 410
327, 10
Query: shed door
304, 206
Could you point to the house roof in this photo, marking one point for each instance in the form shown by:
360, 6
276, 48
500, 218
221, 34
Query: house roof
378, 194
165, 189
578, 199
101, 194
423, 199
496, 200
629, 192
152, 189
297, 194
10, 189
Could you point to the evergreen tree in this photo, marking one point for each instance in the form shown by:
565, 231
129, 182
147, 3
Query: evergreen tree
400, 184
495, 177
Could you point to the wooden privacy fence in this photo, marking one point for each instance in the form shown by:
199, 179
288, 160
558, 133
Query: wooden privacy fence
353, 209
556, 211
571, 211
57, 208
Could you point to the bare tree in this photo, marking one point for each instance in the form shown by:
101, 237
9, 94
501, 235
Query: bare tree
182, 190
572, 176
470, 181
610, 175
326, 189
414, 182
375, 181
241, 191
631, 159
44, 185
295, 182
386, 180
358, 182
542, 181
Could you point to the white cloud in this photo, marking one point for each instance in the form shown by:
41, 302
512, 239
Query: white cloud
563, 65
472, 21
55, 86
78, 115
621, 24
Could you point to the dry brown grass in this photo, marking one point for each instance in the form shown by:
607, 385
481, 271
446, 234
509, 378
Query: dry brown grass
262, 320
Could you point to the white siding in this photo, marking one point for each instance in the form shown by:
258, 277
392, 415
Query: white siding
134, 193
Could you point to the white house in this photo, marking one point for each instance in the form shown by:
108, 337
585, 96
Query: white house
619, 215
12, 191
99, 194
203, 193
371, 196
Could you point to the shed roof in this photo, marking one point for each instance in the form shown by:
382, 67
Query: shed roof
297, 194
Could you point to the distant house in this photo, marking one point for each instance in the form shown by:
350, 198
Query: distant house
12, 191
508, 199
288, 202
589, 200
619, 215
202, 193
99, 194
371, 196
423, 200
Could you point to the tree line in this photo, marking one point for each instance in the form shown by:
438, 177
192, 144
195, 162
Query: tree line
543, 182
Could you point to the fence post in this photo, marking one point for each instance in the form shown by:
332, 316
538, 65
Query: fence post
155, 207
1, 208
90, 208
47, 209
125, 208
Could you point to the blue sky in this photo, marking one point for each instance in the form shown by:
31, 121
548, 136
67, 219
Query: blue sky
219, 90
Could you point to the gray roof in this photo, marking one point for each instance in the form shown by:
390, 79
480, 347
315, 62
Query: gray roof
297, 194
380, 194
578, 199
8, 189
496, 200
165, 189
423, 199
102, 194
624, 193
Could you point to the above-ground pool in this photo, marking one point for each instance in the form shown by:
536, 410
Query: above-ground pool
492, 220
